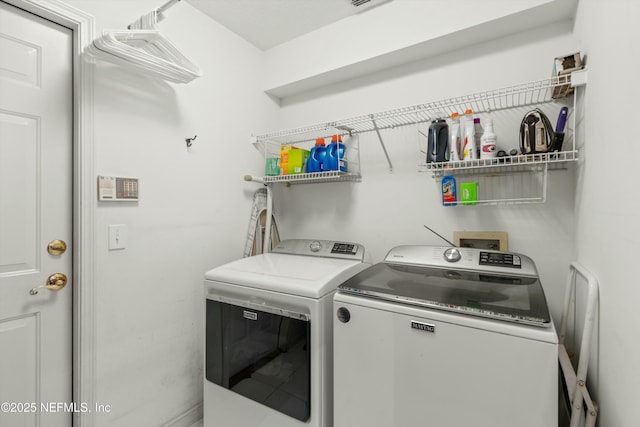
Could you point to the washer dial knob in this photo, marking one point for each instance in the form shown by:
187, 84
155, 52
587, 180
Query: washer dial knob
452, 255
315, 246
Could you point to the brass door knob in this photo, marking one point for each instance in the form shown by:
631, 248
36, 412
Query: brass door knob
55, 282
56, 247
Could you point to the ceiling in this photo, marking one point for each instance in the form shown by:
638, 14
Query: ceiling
268, 23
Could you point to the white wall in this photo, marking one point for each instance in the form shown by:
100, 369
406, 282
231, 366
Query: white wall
606, 216
192, 215
388, 209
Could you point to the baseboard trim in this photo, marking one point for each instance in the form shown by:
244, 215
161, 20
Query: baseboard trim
188, 418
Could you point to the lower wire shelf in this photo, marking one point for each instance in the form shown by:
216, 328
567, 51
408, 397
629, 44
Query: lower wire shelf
511, 180
501, 186
314, 177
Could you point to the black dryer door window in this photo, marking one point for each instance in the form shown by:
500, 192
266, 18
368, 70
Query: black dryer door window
261, 355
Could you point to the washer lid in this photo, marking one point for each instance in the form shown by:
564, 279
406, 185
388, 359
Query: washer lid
301, 275
507, 297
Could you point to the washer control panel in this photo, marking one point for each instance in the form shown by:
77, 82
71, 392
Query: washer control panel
469, 259
500, 259
321, 248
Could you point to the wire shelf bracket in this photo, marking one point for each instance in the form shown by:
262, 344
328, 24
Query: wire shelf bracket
386, 154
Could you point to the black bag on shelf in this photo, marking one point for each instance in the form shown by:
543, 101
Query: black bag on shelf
536, 133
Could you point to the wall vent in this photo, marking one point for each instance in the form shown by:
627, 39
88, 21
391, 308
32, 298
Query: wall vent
359, 2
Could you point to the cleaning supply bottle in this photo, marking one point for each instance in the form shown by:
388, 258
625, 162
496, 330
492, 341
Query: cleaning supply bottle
449, 195
438, 141
342, 154
336, 151
466, 117
488, 142
478, 133
454, 138
469, 146
316, 157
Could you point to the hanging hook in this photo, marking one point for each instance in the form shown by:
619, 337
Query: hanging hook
189, 141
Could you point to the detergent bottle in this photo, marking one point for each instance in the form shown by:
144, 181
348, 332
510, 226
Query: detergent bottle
469, 147
317, 157
335, 158
479, 130
449, 195
488, 142
438, 141
454, 138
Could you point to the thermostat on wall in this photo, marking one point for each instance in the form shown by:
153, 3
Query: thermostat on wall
117, 189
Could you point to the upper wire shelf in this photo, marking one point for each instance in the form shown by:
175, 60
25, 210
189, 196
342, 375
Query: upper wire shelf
536, 92
517, 163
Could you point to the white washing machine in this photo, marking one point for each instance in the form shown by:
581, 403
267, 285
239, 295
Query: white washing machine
445, 337
268, 350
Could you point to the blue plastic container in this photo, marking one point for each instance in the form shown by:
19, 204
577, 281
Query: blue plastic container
449, 193
317, 157
335, 155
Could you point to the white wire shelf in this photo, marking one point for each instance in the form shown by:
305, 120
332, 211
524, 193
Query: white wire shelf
536, 92
315, 177
508, 185
545, 91
517, 163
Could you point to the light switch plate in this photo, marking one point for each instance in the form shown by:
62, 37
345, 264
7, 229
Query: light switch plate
117, 236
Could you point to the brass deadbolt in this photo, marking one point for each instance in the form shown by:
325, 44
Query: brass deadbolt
56, 247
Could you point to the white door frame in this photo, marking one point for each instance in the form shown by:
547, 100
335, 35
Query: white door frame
84, 198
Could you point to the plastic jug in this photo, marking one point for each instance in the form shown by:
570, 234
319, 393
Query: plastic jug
317, 156
469, 144
488, 141
478, 130
454, 138
334, 159
449, 194
438, 141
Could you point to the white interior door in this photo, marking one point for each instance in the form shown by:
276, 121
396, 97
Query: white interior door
35, 209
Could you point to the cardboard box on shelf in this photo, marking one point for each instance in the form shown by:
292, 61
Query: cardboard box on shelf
563, 65
272, 166
293, 160
469, 193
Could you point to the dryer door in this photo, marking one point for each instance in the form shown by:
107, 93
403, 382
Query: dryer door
260, 354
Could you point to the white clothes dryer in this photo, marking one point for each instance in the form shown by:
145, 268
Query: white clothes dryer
268, 344
445, 337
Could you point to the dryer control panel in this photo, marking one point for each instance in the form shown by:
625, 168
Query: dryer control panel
321, 248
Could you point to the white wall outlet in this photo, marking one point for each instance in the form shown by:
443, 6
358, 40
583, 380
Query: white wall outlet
117, 236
